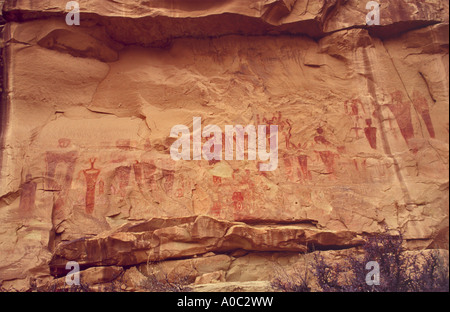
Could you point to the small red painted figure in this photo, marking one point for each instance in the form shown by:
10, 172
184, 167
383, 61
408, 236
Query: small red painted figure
217, 180
303, 163
168, 179
216, 209
421, 105
91, 176
320, 138
28, 195
402, 113
328, 159
238, 200
371, 134
144, 174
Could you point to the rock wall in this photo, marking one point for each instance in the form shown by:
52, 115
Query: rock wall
86, 115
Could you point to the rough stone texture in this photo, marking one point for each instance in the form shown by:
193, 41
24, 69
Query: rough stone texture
253, 286
86, 114
95, 275
143, 243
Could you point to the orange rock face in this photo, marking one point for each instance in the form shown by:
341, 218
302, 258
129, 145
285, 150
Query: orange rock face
87, 110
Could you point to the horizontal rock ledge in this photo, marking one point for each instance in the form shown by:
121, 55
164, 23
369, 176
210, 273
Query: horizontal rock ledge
162, 239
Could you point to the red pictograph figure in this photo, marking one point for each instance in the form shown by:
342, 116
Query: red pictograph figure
212, 162
328, 159
288, 167
355, 112
64, 143
304, 173
216, 209
357, 129
319, 138
288, 135
245, 150
180, 187
144, 174
342, 149
60, 183
238, 200
124, 144
217, 180
246, 179
212, 148
28, 195
119, 159
354, 109
355, 163
91, 176
284, 126
297, 165
421, 105
371, 134
276, 120
138, 174
147, 145
101, 187
122, 178
168, 179
402, 113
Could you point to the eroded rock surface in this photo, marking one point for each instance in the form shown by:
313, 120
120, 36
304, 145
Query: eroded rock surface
86, 115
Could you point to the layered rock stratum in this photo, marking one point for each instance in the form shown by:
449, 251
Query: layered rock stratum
87, 110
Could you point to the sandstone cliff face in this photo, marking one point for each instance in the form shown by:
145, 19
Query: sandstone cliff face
87, 111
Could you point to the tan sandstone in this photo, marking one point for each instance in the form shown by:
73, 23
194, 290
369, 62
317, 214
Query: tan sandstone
86, 115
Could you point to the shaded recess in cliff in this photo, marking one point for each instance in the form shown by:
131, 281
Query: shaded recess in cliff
155, 24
